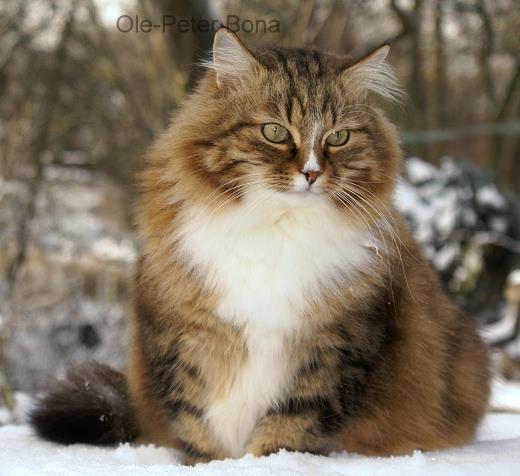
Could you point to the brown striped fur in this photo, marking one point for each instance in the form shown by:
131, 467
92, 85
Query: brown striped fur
382, 363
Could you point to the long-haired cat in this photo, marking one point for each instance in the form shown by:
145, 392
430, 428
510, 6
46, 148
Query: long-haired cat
280, 301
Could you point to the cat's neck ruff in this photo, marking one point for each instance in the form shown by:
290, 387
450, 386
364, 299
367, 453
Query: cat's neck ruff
268, 258
272, 255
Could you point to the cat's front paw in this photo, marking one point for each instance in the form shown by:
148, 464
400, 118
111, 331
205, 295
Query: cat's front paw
266, 448
192, 460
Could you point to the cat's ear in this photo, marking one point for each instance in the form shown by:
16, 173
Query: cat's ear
372, 73
231, 58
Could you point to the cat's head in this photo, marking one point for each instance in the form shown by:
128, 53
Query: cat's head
294, 122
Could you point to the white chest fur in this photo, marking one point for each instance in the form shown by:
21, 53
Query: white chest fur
268, 259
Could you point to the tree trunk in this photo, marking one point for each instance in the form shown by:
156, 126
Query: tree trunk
501, 115
487, 49
188, 48
441, 84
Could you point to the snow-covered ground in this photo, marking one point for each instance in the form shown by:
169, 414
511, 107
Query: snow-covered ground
496, 452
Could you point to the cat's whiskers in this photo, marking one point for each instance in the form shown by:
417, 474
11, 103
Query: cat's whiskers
393, 234
207, 205
242, 190
364, 214
354, 196
346, 201
256, 177
388, 214
248, 175
375, 197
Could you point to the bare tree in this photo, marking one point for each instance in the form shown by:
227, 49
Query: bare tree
502, 113
411, 28
39, 141
488, 42
441, 81
188, 48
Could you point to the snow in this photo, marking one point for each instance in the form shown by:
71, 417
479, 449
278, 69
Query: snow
502, 329
5, 416
489, 195
110, 249
496, 449
445, 256
420, 171
505, 397
441, 201
461, 219
514, 278
412, 204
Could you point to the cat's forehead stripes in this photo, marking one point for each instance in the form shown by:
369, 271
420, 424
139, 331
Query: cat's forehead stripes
309, 85
301, 71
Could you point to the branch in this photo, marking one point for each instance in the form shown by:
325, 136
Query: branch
125, 85
484, 238
502, 112
503, 108
487, 48
25, 38
38, 143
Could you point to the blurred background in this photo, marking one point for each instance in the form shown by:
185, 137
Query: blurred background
85, 87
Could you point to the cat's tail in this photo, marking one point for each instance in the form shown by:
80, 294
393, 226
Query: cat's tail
91, 405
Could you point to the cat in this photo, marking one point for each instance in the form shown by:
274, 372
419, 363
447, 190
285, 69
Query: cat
280, 300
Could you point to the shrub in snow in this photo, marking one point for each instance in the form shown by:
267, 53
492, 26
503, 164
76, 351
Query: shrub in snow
466, 225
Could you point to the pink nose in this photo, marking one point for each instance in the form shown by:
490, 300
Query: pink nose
311, 176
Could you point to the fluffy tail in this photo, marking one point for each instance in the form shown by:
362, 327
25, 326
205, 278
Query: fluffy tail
92, 405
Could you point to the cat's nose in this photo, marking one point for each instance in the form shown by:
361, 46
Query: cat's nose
311, 176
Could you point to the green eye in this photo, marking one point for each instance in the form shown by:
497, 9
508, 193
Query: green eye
338, 138
275, 132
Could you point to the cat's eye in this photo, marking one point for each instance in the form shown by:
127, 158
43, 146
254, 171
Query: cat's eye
338, 137
275, 132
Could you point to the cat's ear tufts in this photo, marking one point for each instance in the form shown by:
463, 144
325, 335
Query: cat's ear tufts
372, 73
231, 59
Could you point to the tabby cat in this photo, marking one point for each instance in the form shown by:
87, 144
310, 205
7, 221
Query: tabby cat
280, 301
